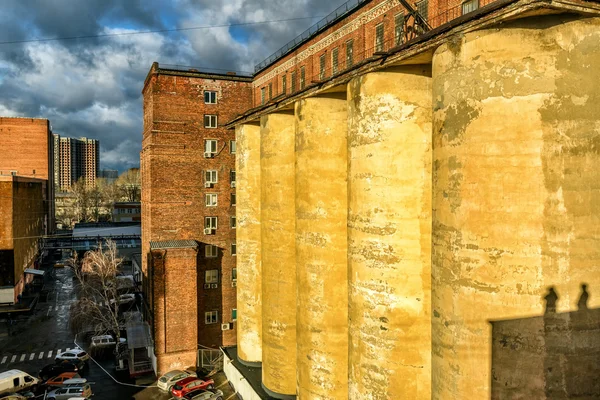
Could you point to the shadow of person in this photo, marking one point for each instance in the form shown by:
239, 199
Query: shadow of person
551, 299
583, 299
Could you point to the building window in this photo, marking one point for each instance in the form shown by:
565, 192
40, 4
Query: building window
211, 251
211, 199
210, 148
379, 38
302, 77
294, 82
263, 95
232, 175
423, 9
232, 222
270, 91
234, 274
283, 84
233, 249
210, 97
234, 314
334, 61
211, 276
322, 67
211, 176
349, 53
233, 199
232, 146
210, 223
210, 121
399, 29
470, 6
211, 317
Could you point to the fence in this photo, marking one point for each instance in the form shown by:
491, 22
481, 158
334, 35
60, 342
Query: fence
211, 359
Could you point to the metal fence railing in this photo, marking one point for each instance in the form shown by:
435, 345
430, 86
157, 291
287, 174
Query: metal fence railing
336, 14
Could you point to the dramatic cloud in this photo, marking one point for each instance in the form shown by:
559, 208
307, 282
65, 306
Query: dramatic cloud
92, 86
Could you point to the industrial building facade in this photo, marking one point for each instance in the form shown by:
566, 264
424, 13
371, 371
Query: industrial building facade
75, 159
188, 210
410, 175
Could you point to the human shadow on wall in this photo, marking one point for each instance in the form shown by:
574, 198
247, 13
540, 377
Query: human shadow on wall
553, 356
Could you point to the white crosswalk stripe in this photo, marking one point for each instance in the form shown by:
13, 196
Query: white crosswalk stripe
41, 355
31, 356
58, 352
4, 359
50, 354
13, 358
22, 357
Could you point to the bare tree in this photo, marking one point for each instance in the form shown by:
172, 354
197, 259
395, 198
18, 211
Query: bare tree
130, 185
97, 309
82, 200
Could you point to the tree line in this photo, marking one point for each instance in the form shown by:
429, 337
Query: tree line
95, 203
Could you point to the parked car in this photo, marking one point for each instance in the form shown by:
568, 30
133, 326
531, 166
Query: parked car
202, 394
168, 380
52, 370
71, 355
60, 379
13, 396
15, 380
105, 341
186, 385
67, 393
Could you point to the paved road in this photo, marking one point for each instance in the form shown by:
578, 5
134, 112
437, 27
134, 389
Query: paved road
32, 341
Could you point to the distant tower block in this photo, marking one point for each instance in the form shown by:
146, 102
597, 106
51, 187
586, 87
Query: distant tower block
249, 293
389, 234
321, 246
278, 254
516, 132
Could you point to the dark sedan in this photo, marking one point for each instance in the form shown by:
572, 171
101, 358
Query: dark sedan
52, 370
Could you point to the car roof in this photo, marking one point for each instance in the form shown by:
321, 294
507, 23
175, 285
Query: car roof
65, 375
187, 380
171, 374
75, 381
10, 373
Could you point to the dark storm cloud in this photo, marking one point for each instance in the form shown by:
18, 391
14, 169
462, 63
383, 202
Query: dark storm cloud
92, 87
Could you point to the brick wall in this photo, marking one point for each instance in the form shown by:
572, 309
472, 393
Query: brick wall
173, 168
26, 146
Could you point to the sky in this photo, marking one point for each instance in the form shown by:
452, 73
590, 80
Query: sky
91, 87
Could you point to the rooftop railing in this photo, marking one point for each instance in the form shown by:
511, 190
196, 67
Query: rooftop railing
335, 15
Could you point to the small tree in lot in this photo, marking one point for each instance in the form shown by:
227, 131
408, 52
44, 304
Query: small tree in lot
97, 309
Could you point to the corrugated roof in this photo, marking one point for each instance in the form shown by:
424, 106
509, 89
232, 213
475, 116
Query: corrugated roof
173, 244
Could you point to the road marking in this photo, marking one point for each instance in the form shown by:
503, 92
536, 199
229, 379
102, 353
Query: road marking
13, 358
4, 359
48, 313
41, 355
68, 348
23, 357
50, 354
32, 356
58, 352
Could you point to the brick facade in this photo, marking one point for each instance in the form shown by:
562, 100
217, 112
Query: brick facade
22, 221
27, 150
173, 170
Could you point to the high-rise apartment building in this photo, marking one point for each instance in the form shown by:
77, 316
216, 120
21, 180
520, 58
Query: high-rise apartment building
188, 210
75, 159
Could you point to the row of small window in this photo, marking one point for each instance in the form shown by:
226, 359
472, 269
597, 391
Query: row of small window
211, 177
211, 146
212, 251
212, 275
210, 224
211, 199
212, 317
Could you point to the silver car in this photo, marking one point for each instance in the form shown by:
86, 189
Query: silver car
67, 393
204, 394
168, 380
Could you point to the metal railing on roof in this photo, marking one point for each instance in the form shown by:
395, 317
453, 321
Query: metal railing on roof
220, 71
335, 15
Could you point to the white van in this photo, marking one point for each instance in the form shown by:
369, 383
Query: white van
15, 380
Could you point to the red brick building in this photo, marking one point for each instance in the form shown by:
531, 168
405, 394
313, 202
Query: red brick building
26, 150
188, 196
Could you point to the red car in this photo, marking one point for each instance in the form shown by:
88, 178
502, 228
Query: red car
186, 385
